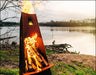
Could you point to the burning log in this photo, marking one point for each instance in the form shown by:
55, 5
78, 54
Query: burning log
44, 60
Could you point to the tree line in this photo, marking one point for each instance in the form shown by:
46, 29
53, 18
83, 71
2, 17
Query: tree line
71, 23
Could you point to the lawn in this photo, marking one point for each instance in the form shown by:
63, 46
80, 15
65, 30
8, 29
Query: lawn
59, 68
9, 71
71, 69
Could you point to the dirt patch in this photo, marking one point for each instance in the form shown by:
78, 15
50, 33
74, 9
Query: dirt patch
8, 65
86, 60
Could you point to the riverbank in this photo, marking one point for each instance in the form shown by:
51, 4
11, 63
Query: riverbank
80, 38
64, 64
79, 59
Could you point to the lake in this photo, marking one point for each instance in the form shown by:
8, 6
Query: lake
81, 38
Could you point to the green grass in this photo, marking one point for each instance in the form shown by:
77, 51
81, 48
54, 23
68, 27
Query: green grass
49, 52
9, 71
8, 55
60, 68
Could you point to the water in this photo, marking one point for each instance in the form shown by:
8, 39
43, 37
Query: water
80, 38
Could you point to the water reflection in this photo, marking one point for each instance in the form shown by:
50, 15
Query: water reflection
82, 38
79, 37
72, 29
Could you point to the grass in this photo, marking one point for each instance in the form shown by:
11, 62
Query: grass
71, 69
59, 68
49, 52
7, 55
9, 71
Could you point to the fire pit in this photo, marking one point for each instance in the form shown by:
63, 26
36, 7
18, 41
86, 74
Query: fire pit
33, 59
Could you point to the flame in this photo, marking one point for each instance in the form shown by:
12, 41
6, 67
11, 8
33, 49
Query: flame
27, 7
38, 5
34, 58
30, 23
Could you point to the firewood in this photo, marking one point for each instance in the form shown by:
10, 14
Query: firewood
30, 66
36, 61
44, 60
39, 59
29, 60
33, 66
26, 65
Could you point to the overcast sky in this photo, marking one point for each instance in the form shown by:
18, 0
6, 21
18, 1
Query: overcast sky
63, 11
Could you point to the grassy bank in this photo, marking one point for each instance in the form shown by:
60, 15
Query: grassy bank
9, 71
60, 68
9, 55
71, 69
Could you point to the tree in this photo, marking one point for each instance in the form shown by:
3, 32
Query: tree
5, 4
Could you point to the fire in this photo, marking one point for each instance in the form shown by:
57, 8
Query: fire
30, 23
38, 5
34, 58
27, 7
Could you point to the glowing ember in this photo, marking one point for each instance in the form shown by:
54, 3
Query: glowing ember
27, 7
30, 23
34, 58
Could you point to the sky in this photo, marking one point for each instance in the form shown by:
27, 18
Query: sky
62, 11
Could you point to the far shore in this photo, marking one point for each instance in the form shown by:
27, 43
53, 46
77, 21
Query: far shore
54, 24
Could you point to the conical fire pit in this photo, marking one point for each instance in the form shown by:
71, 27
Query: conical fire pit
33, 59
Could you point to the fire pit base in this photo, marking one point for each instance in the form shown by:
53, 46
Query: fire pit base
43, 69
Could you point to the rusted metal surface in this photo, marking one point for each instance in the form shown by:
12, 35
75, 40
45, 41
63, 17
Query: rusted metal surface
27, 30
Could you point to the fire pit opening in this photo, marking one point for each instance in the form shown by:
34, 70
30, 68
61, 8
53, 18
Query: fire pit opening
30, 21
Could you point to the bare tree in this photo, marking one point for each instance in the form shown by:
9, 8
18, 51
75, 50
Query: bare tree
5, 5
